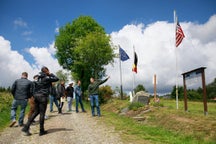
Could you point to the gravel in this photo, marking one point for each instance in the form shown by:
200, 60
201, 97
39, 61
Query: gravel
66, 128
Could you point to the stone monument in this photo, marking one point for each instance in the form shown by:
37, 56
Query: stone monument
142, 97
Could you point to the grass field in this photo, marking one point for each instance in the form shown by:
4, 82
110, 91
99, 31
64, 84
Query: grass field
164, 124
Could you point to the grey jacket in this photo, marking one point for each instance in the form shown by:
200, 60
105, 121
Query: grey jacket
22, 89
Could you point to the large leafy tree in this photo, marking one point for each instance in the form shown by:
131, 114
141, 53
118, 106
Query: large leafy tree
84, 48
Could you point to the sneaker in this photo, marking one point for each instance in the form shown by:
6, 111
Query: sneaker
26, 132
13, 123
46, 117
21, 125
42, 133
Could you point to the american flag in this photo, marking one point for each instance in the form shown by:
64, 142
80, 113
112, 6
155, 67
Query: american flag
179, 34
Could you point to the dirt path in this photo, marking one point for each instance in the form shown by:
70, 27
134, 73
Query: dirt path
68, 128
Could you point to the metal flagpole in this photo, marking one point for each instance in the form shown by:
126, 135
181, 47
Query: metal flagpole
175, 23
133, 76
121, 91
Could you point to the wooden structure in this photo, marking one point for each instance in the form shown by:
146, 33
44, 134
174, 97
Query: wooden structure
192, 74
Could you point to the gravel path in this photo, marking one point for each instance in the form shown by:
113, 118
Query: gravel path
66, 128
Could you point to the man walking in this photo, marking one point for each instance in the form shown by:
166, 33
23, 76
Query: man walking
41, 94
70, 93
78, 96
21, 90
93, 90
52, 96
61, 95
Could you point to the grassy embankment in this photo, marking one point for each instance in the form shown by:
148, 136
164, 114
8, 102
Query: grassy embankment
5, 105
6, 99
163, 124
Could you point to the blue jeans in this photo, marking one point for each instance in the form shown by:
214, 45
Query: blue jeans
95, 101
15, 104
79, 100
53, 99
69, 100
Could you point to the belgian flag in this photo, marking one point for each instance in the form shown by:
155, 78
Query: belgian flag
135, 63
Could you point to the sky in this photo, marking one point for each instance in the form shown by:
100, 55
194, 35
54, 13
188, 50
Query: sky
28, 29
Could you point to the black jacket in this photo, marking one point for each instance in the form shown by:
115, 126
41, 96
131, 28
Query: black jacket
22, 89
53, 91
70, 91
42, 86
60, 90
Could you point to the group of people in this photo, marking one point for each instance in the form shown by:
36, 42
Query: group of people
43, 89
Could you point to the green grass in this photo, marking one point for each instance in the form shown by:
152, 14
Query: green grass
165, 125
5, 105
5, 108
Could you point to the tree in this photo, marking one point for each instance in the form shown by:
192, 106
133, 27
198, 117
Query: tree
84, 48
180, 92
139, 88
62, 75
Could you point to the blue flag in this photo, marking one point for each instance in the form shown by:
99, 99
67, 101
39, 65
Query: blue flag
123, 54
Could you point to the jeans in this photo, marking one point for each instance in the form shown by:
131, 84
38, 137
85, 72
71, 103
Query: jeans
79, 100
40, 108
94, 100
69, 100
53, 99
15, 104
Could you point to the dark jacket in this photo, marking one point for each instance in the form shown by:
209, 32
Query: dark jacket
70, 91
43, 84
22, 89
60, 90
53, 91
93, 88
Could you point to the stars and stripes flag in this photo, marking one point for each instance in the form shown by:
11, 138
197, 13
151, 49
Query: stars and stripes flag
179, 34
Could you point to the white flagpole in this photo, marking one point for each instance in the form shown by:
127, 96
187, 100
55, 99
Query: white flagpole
175, 23
133, 75
121, 91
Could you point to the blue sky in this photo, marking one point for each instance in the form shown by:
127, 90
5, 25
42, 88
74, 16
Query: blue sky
32, 24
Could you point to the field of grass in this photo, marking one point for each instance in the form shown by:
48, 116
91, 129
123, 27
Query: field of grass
164, 124
5, 105
5, 108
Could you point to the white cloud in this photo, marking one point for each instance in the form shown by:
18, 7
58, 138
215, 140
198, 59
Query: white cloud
44, 57
19, 22
13, 63
154, 45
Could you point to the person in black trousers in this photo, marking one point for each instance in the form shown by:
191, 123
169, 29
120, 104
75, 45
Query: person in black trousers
41, 93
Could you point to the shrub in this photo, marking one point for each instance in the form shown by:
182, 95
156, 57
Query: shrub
134, 106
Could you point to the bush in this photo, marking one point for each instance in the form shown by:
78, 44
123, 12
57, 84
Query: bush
105, 93
134, 106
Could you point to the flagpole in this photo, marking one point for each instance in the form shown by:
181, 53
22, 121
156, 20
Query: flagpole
133, 76
121, 91
175, 23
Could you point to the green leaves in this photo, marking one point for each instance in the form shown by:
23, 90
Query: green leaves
84, 48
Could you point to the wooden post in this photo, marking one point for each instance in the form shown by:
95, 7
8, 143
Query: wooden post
185, 94
204, 93
155, 88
